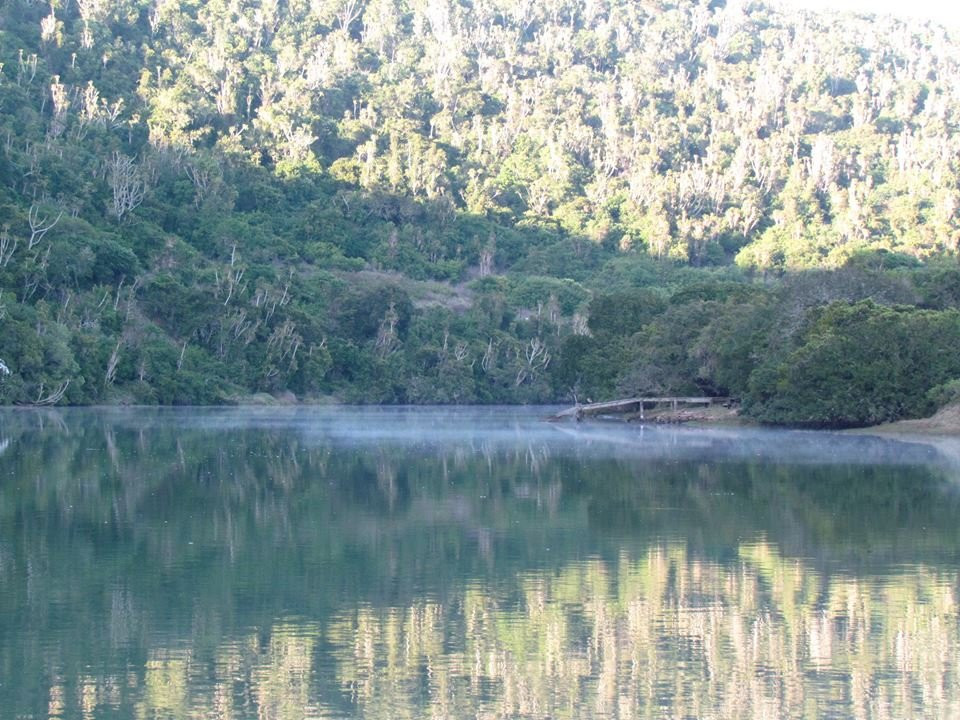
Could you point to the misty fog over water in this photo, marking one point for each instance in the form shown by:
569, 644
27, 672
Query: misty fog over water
453, 562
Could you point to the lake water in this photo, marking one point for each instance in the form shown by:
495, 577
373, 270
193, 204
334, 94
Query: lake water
400, 563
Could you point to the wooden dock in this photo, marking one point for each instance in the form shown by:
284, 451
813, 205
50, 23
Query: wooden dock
638, 405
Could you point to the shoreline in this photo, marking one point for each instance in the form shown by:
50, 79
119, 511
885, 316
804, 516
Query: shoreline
943, 424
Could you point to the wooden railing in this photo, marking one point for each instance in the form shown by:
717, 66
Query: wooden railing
637, 405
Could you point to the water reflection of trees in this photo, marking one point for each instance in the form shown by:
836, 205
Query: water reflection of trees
663, 634
177, 549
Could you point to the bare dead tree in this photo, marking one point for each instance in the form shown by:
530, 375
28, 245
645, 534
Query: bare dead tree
35, 276
8, 246
48, 27
533, 360
281, 302
282, 346
823, 167
61, 107
116, 301
155, 17
127, 182
579, 324
93, 10
487, 256
489, 356
348, 11
131, 293
26, 68
234, 275
53, 397
39, 226
243, 329
201, 178
387, 341
112, 363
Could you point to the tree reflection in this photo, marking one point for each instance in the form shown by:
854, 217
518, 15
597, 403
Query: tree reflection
663, 634
157, 569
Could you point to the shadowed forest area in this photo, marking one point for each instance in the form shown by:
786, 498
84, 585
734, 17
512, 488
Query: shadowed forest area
431, 201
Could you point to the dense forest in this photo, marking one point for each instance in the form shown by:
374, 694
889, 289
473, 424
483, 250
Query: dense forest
441, 201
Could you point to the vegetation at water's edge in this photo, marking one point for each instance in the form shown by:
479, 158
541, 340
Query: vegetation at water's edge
403, 201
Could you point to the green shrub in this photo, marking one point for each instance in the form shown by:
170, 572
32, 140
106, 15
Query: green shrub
858, 364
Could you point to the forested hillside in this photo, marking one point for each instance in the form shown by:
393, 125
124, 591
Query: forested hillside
489, 201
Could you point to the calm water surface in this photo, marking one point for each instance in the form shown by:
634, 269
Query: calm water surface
470, 563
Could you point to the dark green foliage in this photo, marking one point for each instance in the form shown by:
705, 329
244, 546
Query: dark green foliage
361, 314
946, 394
587, 368
939, 286
624, 313
662, 361
533, 291
857, 365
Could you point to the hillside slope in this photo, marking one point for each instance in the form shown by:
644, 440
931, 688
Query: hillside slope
393, 201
